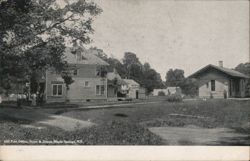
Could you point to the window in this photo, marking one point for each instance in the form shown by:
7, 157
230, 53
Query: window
101, 72
75, 72
97, 90
97, 72
100, 89
86, 84
57, 89
80, 57
212, 85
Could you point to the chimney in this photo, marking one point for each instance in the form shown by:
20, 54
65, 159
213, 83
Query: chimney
221, 63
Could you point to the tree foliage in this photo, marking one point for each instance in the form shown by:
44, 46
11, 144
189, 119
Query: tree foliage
176, 78
132, 68
243, 68
189, 87
33, 34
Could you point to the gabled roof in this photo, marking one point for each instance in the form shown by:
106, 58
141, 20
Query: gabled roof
227, 71
113, 75
131, 82
87, 57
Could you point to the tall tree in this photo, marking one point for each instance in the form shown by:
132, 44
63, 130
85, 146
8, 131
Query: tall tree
132, 68
151, 80
33, 35
113, 63
132, 65
174, 77
189, 87
243, 68
130, 58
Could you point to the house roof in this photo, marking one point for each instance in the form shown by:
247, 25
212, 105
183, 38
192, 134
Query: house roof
131, 81
227, 71
87, 57
113, 75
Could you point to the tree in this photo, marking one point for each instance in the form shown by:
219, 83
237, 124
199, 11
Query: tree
132, 64
243, 68
174, 77
113, 63
33, 35
143, 74
130, 58
146, 66
151, 80
189, 87
132, 68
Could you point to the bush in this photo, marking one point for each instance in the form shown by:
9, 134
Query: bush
174, 98
161, 93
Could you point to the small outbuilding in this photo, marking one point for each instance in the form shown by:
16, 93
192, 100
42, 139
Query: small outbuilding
133, 88
220, 82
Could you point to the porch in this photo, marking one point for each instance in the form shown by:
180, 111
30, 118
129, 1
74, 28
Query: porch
237, 88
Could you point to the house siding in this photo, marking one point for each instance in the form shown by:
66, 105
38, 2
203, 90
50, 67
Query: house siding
86, 71
54, 78
77, 90
142, 93
206, 92
132, 91
221, 84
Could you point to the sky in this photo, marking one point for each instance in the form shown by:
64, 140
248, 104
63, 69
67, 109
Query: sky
174, 34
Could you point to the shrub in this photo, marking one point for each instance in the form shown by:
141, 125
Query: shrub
174, 98
161, 93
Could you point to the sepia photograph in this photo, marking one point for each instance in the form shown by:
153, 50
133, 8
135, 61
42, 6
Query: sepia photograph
124, 72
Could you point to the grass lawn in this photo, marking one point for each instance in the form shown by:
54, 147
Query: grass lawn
211, 113
128, 125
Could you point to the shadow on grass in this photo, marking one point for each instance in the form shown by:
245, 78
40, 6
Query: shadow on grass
237, 141
22, 116
120, 115
4, 118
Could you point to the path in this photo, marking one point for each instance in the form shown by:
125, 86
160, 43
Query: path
193, 135
115, 105
66, 123
33, 118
